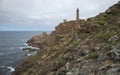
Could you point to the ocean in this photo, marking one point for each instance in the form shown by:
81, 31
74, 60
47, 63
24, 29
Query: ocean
11, 53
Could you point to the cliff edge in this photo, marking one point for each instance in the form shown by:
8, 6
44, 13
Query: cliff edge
79, 47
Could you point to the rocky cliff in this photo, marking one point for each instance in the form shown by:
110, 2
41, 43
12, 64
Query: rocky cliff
82, 47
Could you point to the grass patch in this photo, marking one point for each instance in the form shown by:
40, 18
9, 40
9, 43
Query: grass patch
84, 35
108, 48
93, 55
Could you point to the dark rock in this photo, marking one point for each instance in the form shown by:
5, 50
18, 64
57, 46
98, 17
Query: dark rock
113, 38
61, 71
30, 49
113, 71
114, 54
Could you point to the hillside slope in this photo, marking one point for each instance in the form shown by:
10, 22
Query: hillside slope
81, 47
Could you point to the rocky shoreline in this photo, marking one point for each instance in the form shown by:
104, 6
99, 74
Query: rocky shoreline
78, 47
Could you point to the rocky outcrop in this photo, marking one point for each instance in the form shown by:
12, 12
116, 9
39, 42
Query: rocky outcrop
114, 54
69, 26
90, 47
39, 41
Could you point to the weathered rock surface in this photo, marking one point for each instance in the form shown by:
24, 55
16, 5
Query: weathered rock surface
114, 54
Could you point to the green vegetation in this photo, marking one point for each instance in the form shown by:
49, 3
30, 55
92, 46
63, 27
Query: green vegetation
93, 55
83, 35
75, 43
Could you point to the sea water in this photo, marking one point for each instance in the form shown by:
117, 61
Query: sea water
11, 53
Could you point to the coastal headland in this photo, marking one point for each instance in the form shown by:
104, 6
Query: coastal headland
77, 47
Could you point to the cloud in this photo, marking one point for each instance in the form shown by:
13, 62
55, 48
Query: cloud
47, 13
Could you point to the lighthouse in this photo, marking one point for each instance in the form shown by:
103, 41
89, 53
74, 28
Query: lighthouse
77, 14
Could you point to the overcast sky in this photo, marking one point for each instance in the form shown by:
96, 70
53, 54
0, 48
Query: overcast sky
46, 14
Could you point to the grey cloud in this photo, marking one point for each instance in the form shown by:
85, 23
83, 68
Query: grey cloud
48, 13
